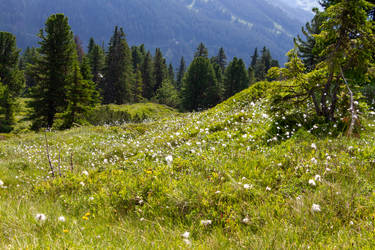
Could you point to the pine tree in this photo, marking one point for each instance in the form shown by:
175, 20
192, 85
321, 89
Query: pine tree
254, 59
220, 79
138, 87
96, 58
147, 71
91, 45
160, 69
79, 48
200, 89
222, 60
167, 94
201, 51
181, 73
307, 50
137, 58
12, 80
236, 78
57, 55
27, 60
171, 75
118, 73
81, 96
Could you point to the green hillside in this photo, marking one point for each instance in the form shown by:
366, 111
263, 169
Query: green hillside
220, 175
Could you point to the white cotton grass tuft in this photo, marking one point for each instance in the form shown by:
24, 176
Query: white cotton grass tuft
314, 161
84, 172
268, 188
61, 219
206, 222
246, 220
318, 178
169, 159
313, 146
312, 182
1, 183
247, 186
187, 242
186, 235
316, 208
40, 217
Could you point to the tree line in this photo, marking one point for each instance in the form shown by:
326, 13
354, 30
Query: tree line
64, 83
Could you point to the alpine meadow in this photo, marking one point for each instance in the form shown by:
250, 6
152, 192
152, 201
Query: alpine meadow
117, 145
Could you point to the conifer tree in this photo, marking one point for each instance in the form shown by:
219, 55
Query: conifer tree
96, 58
200, 89
181, 73
137, 58
81, 97
167, 94
91, 45
147, 71
11, 78
138, 87
221, 59
27, 60
160, 69
57, 55
307, 50
220, 79
236, 78
118, 73
201, 51
171, 75
254, 59
79, 48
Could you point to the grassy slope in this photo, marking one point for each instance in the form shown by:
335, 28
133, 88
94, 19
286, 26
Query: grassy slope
137, 200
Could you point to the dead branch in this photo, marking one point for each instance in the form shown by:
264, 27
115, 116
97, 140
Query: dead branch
352, 109
48, 156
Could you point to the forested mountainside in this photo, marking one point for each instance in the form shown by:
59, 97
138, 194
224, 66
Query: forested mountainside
175, 26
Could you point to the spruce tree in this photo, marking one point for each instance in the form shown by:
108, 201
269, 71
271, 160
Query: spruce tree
236, 78
137, 58
222, 59
160, 69
12, 80
81, 96
79, 48
200, 88
181, 73
96, 58
167, 94
201, 51
118, 73
171, 74
254, 59
57, 55
91, 45
147, 71
138, 87
27, 60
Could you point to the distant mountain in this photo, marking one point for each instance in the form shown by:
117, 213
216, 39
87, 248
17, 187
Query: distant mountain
175, 26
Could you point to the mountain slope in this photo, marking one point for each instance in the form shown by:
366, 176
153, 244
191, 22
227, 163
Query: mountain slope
176, 26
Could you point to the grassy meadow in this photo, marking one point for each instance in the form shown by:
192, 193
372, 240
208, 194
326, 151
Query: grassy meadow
158, 179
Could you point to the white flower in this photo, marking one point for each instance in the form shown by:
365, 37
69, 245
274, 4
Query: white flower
186, 235
247, 186
217, 192
318, 178
40, 217
314, 161
206, 222
268, 188
85, 173
313, 146
351, 223
105, 161
350, 147
1, 183
169, 159
312, 182
187, 241
61, 219
246, 220
142, 219
315, 208
82, 183
91, 198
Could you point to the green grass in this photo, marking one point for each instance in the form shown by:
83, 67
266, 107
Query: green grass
139, 200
